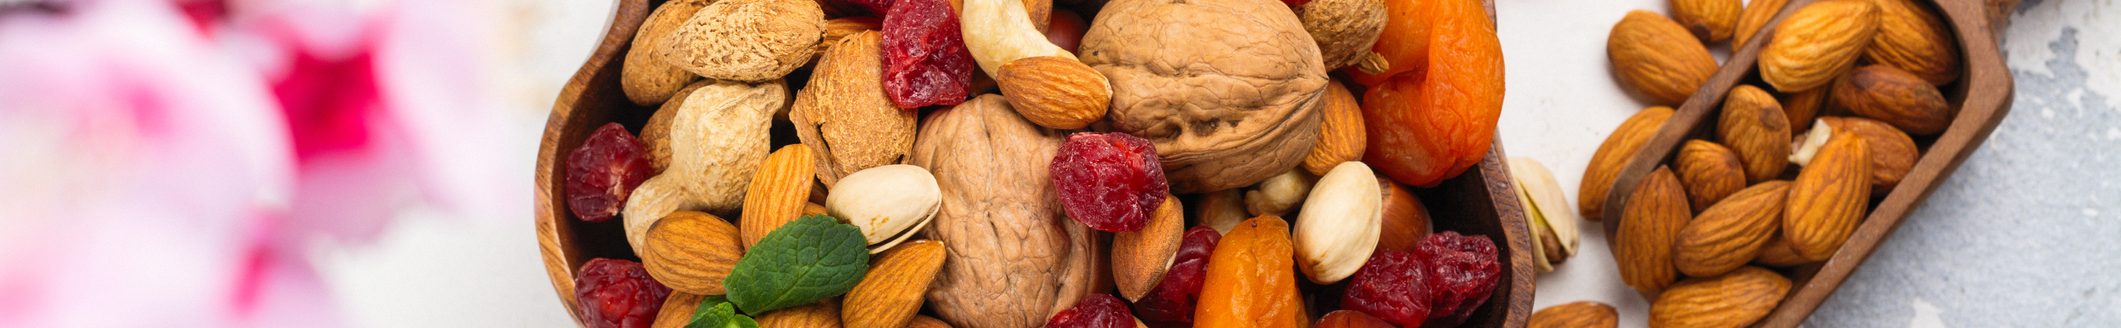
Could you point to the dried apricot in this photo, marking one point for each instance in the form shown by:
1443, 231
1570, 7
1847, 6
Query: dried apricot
1404, 44
1252, 279
1432, 123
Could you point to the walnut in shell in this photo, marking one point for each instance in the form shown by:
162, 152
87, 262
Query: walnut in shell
1227, 106
1014, 261
747, 40
844, 114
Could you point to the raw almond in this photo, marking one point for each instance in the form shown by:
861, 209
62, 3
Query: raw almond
1778, 253
890, 293
1055, 92
1140, 257
691, 252
1895, 97
927, 322
1341, 136
1581, 314
1892, 153
1828, 198
1732, 232
778, 192
1612, 155
1802, 107
1657, 57
1653, 216
1709, 20
1754, 126
823, 314
1709, 171
1817, 43
1405, 222
1912, 38
1736, 299
677, 310
1755, 16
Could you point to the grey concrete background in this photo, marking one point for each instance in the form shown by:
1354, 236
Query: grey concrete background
2028, 232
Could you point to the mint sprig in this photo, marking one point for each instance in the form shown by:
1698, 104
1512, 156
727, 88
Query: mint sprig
716, 312
811, 259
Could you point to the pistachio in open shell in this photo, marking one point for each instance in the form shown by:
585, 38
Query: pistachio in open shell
889, 203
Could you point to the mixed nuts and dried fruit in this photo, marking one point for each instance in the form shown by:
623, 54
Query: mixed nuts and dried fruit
1004, 163
1844, 88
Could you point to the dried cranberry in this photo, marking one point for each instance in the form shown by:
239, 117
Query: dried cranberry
925, 60
1173, 298
603, 171
1109, 181
1295, 3
874, 6
1096, 311
1391, 286
616, 293
1462, 273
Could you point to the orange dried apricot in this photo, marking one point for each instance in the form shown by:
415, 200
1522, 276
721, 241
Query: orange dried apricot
1404, 44
1252, 279
1432, 123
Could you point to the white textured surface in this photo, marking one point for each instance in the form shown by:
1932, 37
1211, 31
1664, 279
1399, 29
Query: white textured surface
2025, 234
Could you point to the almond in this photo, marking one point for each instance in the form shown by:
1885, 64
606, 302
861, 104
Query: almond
1612, 155
1817, 43
1653, 216
1055, 92
1913, 39
1709, 20
1140, 257
1828, 198
1405, 222
1778, 253
823, 314
890, 293
1732, 232
1756, 15
1802, 107
1893, 153
1709, 171
1895, 97
677, 310
1341, 136
1754, 126
1657, 57
778, 191
1581, 314
691, 252
1736, 299
927, 322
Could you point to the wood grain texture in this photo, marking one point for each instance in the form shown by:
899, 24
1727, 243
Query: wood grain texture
1983, 97
1481, 201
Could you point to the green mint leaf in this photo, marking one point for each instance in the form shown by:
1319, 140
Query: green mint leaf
813, 258
716, 312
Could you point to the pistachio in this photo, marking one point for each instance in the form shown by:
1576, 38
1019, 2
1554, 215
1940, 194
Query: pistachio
1553, 222
889, 203
1280, 193
1338, 228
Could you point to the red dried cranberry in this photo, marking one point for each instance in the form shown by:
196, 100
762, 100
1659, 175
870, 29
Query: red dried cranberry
1173, 298
1462, 274
925, 60
1109, 181
1391, 287
874, 6
603, 171
1096, 311
616, 293
1295, 3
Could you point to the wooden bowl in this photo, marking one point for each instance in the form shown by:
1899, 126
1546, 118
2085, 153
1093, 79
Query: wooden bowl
1481, 201
1982, 96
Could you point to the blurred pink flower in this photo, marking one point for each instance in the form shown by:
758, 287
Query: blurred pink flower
174, 162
